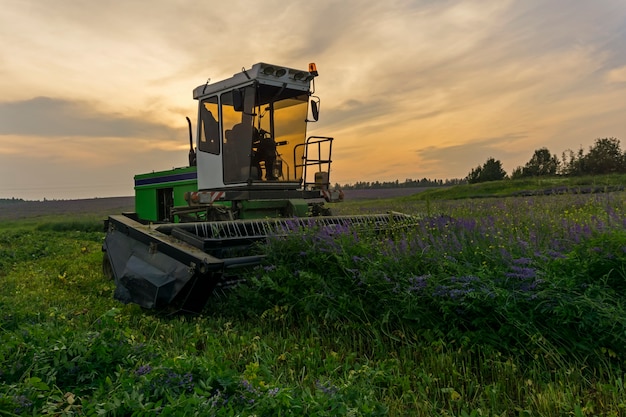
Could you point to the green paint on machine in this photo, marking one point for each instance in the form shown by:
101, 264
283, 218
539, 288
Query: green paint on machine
157, 192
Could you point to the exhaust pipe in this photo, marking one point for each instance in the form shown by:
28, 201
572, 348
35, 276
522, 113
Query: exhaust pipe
192, 153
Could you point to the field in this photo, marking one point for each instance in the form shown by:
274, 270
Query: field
94, 206
507, 306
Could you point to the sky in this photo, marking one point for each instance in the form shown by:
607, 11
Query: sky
94, 92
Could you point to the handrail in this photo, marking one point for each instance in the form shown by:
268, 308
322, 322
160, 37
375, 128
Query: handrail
307, 161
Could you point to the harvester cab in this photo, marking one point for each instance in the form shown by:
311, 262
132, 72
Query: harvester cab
253, 173
252, 128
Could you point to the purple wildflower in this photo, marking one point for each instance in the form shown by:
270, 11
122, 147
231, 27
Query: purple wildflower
217, 398
23, 404
522, 273
176, 380
418, 283
143, 370
326, 389
555, 255
248, 386
458, 293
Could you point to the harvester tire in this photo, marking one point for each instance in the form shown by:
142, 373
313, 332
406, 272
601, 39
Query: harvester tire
320, 210
107, 269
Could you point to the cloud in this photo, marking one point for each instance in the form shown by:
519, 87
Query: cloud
479, 147
617, 75
459, 159
79, 167
53, 117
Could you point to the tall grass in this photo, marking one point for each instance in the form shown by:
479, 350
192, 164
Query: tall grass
542, 185
509, 306
517, 275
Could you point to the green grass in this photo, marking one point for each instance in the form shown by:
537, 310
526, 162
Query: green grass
539, 185
508, 306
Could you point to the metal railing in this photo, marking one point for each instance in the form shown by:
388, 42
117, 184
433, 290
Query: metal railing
317, 152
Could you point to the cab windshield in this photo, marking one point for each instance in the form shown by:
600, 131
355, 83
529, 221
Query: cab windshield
262, 126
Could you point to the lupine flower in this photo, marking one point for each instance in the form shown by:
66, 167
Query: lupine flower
326, 389
522, 273
143, 370
522, 261
23, 404
418, 283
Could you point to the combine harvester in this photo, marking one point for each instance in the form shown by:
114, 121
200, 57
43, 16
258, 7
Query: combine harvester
253, 173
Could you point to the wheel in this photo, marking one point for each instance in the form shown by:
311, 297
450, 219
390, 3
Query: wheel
319, 210
215, 213
326, 211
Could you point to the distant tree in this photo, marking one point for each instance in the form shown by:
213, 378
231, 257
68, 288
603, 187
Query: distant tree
604, 157
424, 182
474, 175
573, 163
454, 181
517, 173
491, 170
11, 200
541, 163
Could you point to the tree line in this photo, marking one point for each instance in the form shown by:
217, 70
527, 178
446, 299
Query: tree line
604, 157
11, 200
408, 183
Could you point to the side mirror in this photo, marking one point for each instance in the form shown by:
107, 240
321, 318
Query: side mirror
238, 98
315, 108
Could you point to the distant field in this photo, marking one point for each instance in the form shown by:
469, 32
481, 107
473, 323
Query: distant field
26, 209
112, 205
383, 193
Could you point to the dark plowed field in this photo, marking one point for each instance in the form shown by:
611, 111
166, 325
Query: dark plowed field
382, 193
104, 206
